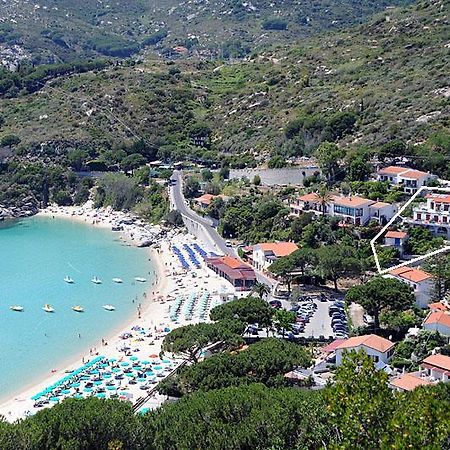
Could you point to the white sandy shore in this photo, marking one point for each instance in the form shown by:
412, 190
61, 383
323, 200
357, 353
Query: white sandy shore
171, 281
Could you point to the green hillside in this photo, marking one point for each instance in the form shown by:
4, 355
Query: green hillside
383, 81
52, 31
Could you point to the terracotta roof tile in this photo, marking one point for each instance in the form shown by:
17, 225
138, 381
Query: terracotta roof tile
279, 248
392, 170
379, 205
408, 382
396, 234
369, 340
353, 201
439, 361
410, 274
438, 317
414, 174
439, 198
312, 197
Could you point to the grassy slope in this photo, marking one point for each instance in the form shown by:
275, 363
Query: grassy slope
396, 66
61, 29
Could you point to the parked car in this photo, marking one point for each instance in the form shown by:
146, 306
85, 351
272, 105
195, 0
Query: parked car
275, 303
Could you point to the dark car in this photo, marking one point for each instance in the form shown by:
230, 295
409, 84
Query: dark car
275, 303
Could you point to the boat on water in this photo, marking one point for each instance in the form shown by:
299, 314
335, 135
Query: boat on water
78, 308
96, 280
109, 307
69, 280
117, 280
140, 279
17, 308
48, 308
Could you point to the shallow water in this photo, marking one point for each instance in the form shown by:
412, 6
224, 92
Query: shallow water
35, 256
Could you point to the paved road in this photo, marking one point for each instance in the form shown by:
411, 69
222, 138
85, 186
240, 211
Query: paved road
193, 221
202, 226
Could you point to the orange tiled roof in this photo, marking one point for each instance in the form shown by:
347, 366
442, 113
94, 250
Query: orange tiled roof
439, 198
414, 174
438, 306
369, 340
311, 197
233, 262
410, 274
279, 248
353, 201
438, 317
408, 382
393, 170
396, 234
439, 361
379, 205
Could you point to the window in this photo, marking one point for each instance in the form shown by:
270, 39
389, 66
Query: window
344, 210
419, 216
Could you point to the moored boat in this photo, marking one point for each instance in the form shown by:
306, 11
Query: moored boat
96, 280
48, 308
78, 308
140, 279
117, 280
109, 307
17, 308
67, 279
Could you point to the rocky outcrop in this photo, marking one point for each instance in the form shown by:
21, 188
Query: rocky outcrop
26, 209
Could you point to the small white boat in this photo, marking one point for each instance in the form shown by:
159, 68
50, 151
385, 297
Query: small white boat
16, 308
78, 308
67, 279
48, 308
117, 280
140, 279
96, 280
109, 307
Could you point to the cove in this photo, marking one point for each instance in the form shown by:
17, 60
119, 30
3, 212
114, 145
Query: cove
35, 256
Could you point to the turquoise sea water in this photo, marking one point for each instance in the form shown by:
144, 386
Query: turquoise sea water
35, 256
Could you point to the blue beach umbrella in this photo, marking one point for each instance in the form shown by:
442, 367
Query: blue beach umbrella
65, 391
107, 375
77, 396
112, 359
145, 362
150, 373
111, 388
76, 384
116, 369
124, 364
97, 383
157, 367
101, 395
134, 358
166, 361
87, 389
54, 399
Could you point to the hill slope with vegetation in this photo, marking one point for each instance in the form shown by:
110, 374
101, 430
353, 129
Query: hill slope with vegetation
385, 82
52, 31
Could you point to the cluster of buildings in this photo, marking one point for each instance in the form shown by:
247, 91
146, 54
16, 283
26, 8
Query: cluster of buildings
433, 369
353, 210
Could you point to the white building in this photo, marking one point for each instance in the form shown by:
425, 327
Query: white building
396, 239
410, 179
352, 209
421, 282
438, 321
266, 253
434, 215
378, 348
437, 367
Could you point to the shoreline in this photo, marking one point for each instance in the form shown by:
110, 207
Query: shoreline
170, 281
151, 310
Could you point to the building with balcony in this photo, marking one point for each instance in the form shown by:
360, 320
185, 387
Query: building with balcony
396, 239
422, 283
265, 254
434, 214
410, 179
352, 210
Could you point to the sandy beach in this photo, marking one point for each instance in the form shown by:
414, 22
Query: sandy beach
171, 282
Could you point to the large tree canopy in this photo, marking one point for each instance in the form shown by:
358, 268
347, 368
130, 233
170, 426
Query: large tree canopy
381, 294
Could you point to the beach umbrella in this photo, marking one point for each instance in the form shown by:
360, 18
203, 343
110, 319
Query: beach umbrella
134, 358
137, 368
154, 356
150, 373
97, 382
116, 369
107, 375
157, 368
129, 374
54, 399
111, 388
65, 391
145, 362
112, 359
87, 389
101, 395
166, 361
124, 364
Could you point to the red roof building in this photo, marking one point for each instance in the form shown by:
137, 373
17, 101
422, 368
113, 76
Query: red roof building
239, 274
